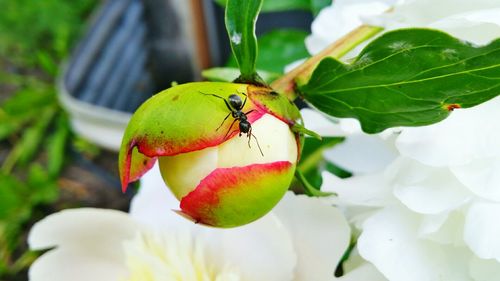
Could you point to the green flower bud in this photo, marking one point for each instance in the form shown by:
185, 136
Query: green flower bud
225, 150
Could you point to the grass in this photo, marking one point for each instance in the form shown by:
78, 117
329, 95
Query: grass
35, 36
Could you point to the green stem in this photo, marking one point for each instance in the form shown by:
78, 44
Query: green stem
287, 83
309, 189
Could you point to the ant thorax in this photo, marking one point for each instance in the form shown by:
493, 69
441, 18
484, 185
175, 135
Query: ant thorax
235, 106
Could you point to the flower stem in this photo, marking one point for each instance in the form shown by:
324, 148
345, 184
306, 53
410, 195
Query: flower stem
287, 83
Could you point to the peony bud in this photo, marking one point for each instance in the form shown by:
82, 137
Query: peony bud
223, 173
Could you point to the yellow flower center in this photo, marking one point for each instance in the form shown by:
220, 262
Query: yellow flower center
155, 257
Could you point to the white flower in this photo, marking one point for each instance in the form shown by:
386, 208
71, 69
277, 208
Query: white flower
339, 19
474, 21
432, 214
460, 18
434, 211
353, 152
302, 239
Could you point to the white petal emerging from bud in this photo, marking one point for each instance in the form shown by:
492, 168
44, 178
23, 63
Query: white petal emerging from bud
183, 172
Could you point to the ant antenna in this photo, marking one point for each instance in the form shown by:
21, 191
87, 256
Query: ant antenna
256, 141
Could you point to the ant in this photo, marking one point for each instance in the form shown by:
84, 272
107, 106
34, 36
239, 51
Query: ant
235, 105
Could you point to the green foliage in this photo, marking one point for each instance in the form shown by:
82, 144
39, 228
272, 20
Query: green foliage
17, 199
40, 32
241, 16
409, 77
285, 5
318, 5
312, 163
308, 188
34, 131
56, 145
277, 49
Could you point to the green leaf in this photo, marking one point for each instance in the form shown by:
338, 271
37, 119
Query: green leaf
56, 145
12, 196
308, 188
281, 5
29, 100
313, 150
8, 126
15, 209
241, 16
312, 163
409, 77
318, 5
44, 190
27, 147
277, 49
299, 128
281, 47
229, 74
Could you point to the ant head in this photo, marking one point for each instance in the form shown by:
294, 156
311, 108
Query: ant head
235, 101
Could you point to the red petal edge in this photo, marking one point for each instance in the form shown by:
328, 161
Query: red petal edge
199, 202
151, 150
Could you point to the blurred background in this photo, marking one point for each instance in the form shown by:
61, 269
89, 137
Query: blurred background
71, 74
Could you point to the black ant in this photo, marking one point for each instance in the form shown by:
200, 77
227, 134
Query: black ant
235, 105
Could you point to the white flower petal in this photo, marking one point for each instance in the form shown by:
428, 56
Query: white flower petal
367, 190
432, 223
418, 14
482, 230
466, 134
320, 234
319, 123
428, 190
356, 268
88, 241
339, 19
154, 204
481, 176
273, 141
262, 250
484, 270
364, 272
389, 241
466, 25
362, 154
446, 228
100, 230
76, 265
442, 144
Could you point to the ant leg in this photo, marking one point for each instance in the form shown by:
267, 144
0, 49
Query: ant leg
249, 134
225, 101
248, 112
245, 101
241, 93
230, 127
214, 95
256, 141
223, 121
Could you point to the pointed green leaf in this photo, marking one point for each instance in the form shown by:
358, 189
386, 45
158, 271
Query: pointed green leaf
241, 16
409, 77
